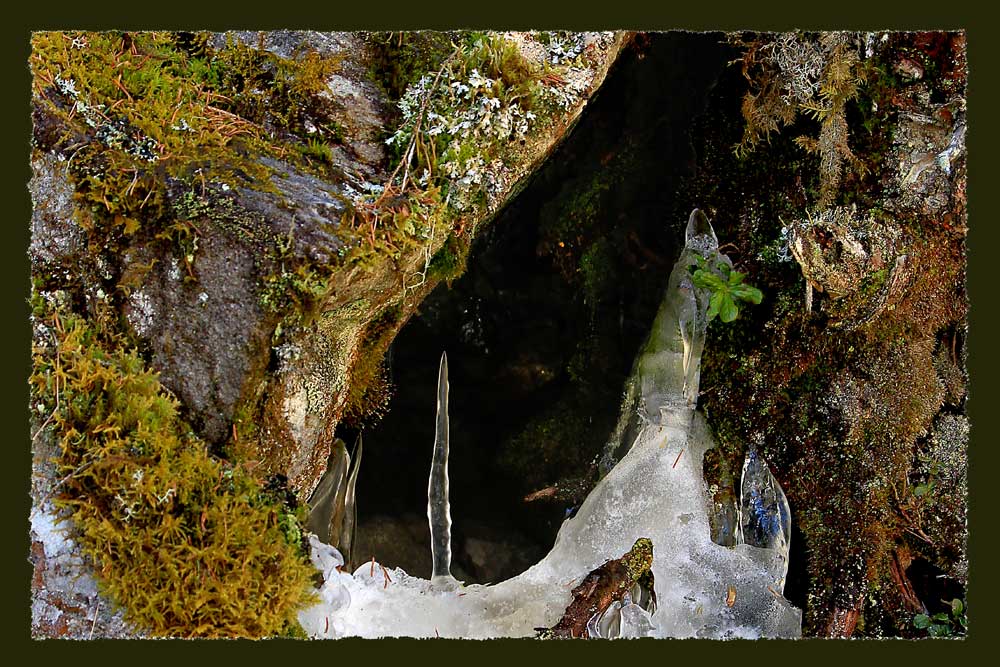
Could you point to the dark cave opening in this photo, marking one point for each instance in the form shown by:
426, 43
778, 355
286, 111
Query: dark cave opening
542, 329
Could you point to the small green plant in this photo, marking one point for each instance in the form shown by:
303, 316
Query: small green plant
951, 623
317, 150
727, 291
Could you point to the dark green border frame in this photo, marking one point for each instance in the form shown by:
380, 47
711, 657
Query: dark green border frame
982, 243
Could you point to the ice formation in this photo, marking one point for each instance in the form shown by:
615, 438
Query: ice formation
653, 488
438, 506
332, 509
765, 521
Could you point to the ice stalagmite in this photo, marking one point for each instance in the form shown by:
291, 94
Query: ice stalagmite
653, 488
667, 372
349, 523
438, 506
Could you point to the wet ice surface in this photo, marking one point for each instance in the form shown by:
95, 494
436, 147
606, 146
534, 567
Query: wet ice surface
764, 517
333, 512
655, 490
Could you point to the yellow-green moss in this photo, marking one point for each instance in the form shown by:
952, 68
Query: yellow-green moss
449, 262
370, 389
132, 110
394, 224
189, 545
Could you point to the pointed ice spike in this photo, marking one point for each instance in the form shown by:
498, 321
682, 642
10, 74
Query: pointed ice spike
348, 528
667, 371
700, 236
326, 505
438, 507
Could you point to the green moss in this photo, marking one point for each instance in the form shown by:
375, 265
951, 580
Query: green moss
187, 544
136, 109
390, 227
369, 390
449, 262
297, 293
399, 59
316, 151
500, 59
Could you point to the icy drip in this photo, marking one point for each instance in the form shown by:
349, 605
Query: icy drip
326, 505
764, 517
332, 507
655, 490
438, 506
667, 372
350, 520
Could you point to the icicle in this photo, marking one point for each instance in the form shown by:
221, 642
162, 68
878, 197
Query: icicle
701, 248
326, 505
438, 508
349, 524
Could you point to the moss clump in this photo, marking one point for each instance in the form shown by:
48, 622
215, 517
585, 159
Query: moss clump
818, 76
501, 60
133, 110
399, 59
188, 545
449, 262
370, 389
458, 121
297, 292
395, 223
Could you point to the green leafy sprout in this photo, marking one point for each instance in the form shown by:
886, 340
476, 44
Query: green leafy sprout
951, 623
727, 290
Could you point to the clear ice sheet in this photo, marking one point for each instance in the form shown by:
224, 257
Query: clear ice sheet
655, 490
332, 506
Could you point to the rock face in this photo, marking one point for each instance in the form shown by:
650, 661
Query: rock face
858, 393
245, 297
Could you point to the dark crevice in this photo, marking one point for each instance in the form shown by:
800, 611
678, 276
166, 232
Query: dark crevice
542, 329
